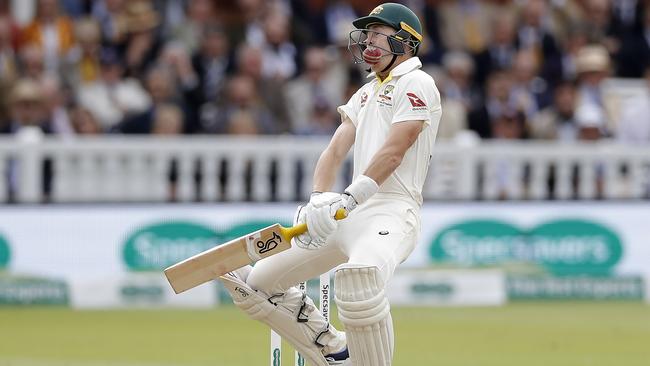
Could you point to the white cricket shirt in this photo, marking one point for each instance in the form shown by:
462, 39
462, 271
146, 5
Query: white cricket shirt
407, 94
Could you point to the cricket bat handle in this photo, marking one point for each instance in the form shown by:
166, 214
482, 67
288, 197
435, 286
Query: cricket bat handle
302, 228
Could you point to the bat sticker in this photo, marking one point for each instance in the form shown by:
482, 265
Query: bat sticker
269, 244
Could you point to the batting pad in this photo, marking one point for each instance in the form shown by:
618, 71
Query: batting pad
365, 312
313, 336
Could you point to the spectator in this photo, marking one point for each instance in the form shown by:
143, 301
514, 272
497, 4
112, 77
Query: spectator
591, 122
499, 100
210, 64
634, 126
534, 35
111, 98
27, 110
593, 67
83, 122
318, 84
27, 107
56, 100
161, 88
247, 24
322, 120
634, 55
272, 92
84, 64
598, 21
458, 84
176, 59
465, 25
8, 66
278, 52
143, 43
338, 17
168, 120
200, 13
74, 8
13, 31
509, 126
557, 122
433, 49
241, 97
112, 18
576, 39
32, 62
501, 53
242, 123
51, 31
530, 90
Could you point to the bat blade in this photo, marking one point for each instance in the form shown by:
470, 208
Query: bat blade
224, 258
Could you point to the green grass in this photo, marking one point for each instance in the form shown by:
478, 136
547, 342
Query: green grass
527, 334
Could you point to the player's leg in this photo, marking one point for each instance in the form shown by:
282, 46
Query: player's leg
387, 236
267, 293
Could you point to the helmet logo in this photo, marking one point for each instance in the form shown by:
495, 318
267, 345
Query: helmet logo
377, 10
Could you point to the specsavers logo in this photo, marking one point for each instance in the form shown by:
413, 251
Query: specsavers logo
158, 246
5, 253
562, 247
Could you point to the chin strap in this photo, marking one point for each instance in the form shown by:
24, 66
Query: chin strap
390, 64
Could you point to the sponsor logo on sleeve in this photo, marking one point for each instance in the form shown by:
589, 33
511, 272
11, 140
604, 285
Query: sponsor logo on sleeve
416, 102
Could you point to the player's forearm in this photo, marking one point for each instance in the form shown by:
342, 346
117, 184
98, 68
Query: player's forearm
332, 157
326, 170
400, 138
384, 163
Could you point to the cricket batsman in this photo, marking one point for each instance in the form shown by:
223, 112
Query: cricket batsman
392, 122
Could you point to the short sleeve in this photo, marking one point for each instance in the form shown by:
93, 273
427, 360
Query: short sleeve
416, 99
351, 108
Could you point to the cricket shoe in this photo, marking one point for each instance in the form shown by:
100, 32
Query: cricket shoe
341, 358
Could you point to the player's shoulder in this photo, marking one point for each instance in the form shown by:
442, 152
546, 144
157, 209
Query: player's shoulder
417, 76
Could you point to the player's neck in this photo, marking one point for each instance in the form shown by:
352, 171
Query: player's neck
382, 75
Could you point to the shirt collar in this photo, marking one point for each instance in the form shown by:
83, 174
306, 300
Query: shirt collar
403, 68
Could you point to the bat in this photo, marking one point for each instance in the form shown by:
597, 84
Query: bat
219, 260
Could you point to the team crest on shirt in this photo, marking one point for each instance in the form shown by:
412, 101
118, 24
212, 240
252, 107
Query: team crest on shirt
385, 98
364, 98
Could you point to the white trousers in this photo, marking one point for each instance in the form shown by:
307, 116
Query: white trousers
382, 233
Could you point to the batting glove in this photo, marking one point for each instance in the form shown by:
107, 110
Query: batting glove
319, 214
305, 241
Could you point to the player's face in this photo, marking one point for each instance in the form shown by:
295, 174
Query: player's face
371, 46
377, 38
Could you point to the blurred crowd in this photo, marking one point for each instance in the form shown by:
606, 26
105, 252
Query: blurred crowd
507, 69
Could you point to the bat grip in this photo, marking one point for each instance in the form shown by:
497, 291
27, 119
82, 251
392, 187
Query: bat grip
302, 228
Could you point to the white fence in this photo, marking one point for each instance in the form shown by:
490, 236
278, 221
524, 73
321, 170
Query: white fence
145, 169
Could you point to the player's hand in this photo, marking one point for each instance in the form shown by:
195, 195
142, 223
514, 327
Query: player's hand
319, 214
305, 241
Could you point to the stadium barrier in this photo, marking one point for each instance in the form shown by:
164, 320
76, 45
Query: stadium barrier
279, 168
